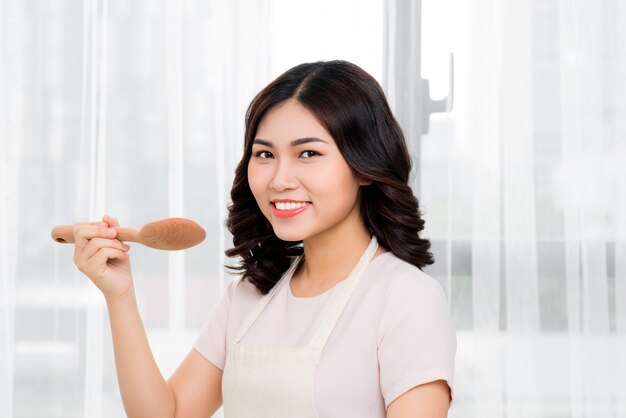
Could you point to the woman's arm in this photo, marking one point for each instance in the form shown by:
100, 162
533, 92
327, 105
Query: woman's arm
430, 400
195, 388
145, 393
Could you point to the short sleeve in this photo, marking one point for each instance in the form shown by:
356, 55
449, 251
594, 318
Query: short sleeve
211, 341
416, 338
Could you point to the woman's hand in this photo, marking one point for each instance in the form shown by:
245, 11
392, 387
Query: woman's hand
103, 258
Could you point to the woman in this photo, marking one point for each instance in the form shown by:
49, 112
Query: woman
332, 316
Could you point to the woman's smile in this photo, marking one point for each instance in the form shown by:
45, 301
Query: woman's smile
285, 208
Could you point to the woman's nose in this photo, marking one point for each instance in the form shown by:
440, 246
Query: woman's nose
284, 177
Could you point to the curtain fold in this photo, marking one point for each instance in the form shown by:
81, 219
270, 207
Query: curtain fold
620, 210
584, 37
175, 111
93, 195
519, 234
11, 119
401, 73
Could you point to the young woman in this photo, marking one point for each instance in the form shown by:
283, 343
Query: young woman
332, 315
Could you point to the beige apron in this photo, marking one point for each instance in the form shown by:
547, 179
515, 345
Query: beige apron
279, 382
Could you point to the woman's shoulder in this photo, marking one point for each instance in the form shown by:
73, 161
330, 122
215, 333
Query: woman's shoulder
241, 291
404, 279
415, 306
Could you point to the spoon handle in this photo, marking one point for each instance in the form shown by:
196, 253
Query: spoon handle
65, 234
128, 234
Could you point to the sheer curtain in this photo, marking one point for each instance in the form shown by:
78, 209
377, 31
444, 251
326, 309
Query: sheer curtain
523, 189
134, 109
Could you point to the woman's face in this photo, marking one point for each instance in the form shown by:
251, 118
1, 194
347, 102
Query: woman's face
299, 178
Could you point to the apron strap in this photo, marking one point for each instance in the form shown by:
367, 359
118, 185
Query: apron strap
332, 311
247, 323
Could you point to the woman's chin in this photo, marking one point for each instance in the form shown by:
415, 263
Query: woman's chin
291, 236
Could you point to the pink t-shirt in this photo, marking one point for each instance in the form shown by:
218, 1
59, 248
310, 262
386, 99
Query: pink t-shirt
394, 334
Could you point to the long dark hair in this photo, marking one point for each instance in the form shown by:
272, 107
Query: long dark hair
352, 107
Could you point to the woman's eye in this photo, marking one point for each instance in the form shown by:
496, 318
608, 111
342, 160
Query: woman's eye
263, 154
309, 154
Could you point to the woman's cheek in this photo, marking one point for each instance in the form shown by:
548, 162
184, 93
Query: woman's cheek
255, 183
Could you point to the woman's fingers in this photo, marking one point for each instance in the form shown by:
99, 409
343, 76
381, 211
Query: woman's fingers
79, 226
87, 230
111, 221
84, 232
94, 241
99, 261
96, 244
102, 257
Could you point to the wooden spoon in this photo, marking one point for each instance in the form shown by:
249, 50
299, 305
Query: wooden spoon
166, 234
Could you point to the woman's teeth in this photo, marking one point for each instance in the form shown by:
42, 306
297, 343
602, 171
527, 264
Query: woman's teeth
289, 205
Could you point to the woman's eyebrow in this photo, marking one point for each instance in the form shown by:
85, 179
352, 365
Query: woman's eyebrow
294, 143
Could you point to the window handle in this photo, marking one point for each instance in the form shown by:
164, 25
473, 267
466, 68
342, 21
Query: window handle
430, 106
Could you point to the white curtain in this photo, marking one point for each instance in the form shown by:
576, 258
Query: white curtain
523, 186
136, 109
133, 109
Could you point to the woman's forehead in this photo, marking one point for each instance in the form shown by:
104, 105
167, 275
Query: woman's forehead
291, 121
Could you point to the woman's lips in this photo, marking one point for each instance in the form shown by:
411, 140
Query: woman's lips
288, 209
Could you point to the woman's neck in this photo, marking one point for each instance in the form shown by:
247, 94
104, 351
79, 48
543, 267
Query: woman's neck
330, 257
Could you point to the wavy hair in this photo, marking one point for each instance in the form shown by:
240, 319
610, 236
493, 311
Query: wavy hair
352, 107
